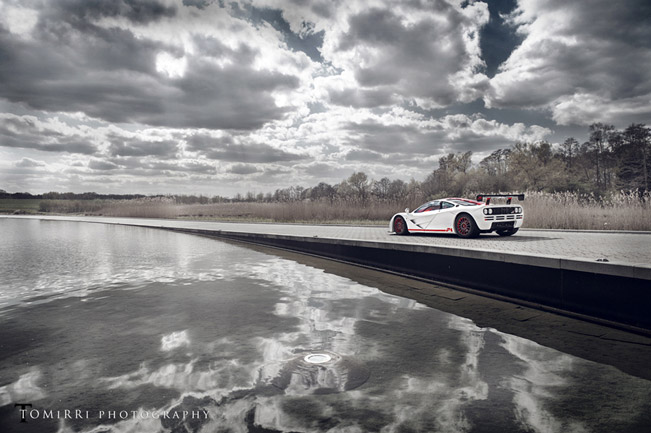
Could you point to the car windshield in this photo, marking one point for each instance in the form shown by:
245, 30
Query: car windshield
462, 202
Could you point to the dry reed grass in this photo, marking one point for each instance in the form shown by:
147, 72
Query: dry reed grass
619, 211
317, 212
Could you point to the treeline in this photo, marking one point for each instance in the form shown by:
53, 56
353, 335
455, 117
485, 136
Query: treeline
610, 160
69, 196
89, 196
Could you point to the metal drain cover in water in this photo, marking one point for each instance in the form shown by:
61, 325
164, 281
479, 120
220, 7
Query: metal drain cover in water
317, 358
320, 373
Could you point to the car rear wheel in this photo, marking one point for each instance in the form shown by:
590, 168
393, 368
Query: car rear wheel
507, 232
465, 226
400, 226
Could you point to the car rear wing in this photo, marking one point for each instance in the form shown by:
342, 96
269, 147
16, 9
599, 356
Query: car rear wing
509, 197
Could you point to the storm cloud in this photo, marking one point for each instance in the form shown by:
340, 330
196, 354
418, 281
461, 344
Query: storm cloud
71, 62
226, 149
584, 62
28, 132
218, 96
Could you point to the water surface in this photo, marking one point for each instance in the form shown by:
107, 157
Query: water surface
149, 330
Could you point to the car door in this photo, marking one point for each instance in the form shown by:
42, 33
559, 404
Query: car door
443, 218
423, 215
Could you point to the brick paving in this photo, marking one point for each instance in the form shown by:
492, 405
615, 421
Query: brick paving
616, 247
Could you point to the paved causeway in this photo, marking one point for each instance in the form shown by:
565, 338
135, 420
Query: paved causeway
625, 248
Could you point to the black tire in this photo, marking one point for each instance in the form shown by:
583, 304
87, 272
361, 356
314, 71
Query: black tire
465, 226
507, 232
400, 226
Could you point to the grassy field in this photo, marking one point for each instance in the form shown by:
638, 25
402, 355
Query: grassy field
542, 210
10, 205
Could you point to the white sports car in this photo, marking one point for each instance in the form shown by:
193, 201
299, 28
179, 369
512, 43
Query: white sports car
467, 218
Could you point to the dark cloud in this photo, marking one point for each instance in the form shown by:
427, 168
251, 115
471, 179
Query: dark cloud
202, 142
390, 139
111, 74
121, 146
96, 164
572, 61
454, 133
225, 149
199, 4
254, 152
243, 169
363, 155
189, 167
415, 68
30, 133
412, 59
81, 12
153, 165
325, 171
138, 166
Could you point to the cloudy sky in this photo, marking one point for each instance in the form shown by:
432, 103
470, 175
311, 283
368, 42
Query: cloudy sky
220, 97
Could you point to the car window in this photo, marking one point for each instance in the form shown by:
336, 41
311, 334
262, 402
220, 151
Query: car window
463, 202
447, 205
429, 206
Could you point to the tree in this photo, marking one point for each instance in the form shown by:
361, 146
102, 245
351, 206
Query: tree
323, 191
569, 148
535, 167
450, 177
598, 146
398, 190
495, 168
380, 188
633, 157
359, 185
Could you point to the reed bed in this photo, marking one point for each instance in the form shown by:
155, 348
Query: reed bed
566, 210
300, 211
140, 208
618, 211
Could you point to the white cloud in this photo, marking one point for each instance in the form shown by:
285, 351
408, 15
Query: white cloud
173, 67
404, 51
29, 163
584, 62
18, 20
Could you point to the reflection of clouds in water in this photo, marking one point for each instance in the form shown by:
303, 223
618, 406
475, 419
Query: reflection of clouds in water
175, 376
329, 308
540, 382
25, 389
235, 377
439, 403
70, 261
310, 296
174, 340
218, 378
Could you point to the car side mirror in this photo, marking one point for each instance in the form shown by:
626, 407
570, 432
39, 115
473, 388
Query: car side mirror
441, 206
406, 210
